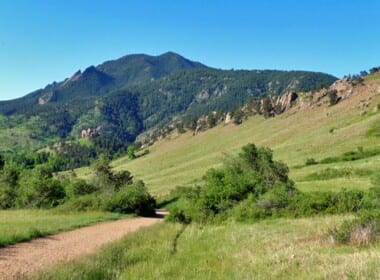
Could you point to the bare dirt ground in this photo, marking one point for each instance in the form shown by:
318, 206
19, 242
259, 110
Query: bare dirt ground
20, 260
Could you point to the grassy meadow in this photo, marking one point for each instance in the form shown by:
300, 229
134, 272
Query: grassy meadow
272, 249
23, 225
281, 248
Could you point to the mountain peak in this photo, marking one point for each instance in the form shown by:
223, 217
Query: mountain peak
142, 68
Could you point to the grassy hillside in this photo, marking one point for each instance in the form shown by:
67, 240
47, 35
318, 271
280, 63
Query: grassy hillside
271, 249
317, 132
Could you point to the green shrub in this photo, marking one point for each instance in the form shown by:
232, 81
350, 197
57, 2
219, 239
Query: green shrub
7, 197
286, 201
9, 176
311, 161
78, 187
178, 215
332, 173
42, 194
38, 188
252, 173
88, 202
248, 210
333, 97
360, 231
132, 199
360, 153
372, 198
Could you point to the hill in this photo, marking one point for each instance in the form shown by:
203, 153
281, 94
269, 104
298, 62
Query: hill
113, 103
283, 248
308, 130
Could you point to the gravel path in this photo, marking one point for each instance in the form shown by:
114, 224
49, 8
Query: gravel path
22, 259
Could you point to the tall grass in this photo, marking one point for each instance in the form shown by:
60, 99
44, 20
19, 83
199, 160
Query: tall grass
274, 249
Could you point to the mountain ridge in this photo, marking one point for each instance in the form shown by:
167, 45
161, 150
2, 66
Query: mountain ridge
122, 98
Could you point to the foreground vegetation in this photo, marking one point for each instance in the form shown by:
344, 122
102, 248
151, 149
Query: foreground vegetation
36, 187
23, 225
252, 186
271, 249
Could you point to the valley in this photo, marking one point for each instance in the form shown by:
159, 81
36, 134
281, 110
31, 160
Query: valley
330, 151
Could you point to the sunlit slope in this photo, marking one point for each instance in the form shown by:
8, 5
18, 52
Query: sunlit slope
316, 132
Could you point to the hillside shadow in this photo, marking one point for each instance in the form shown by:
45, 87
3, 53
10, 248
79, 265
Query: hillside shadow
167, 202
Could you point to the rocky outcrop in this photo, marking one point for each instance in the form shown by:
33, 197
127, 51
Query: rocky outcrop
46, 98
73, 78
285, 101
343, 87
228, 118
90, 132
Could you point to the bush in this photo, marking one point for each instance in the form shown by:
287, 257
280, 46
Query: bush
360, 153
42, 194
132, 199
7, 197
252, 173
332, 173
310, 161
88, 202
178, 215
372, 198
80, 187
333, 97
9, 176
286, 201
361, 231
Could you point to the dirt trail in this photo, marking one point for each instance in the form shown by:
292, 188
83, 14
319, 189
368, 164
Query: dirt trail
22, 259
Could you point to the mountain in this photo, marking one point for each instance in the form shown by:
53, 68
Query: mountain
98, 81
141, 68
118, 100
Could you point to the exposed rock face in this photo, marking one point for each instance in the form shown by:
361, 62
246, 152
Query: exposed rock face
284, 102
202, 95
73, 78
228, 118
90, 132
343, 87
49, 97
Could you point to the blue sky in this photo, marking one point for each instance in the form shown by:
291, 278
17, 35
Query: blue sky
42, 41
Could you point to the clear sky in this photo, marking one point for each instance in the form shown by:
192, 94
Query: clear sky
42, 41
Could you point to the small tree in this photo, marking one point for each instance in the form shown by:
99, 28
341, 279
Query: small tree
374, 70
211, 120
333, 97
267, 107
107, 180
131, 152
238, 116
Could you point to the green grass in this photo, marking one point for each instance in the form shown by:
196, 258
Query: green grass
374, 76
294, 137
272, 249
334, 173
23, 225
